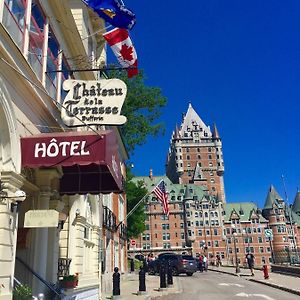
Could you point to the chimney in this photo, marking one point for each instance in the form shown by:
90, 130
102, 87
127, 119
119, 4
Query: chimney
151, 174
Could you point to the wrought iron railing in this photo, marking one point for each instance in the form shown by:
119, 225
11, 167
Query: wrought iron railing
109, 219
49, 285
287, 256
123, 232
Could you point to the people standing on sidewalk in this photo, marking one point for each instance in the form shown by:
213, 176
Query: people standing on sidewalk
200, 261
218, 261
250, 261
205, 263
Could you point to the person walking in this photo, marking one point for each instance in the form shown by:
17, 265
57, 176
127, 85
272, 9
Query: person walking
250, 261
205, 263
218, 261
201, 263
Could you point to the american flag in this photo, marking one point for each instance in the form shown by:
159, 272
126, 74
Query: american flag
161, 194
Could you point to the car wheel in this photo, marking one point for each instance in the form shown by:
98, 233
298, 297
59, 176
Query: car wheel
189, 274
174, 271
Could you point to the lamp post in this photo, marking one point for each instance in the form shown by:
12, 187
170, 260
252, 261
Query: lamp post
237, 268
234, 234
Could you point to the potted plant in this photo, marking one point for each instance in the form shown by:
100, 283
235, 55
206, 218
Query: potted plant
69, 281
22, 292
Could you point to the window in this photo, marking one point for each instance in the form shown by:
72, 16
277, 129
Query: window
200, 232
209, 156
166, 245
166, 236
188, 157
165, 226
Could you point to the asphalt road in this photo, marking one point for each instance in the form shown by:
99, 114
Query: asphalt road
217, 286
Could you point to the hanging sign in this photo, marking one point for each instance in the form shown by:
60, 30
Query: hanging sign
93, 102
41, 218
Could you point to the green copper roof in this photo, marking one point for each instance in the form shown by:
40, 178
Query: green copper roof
243, 210
271, 197
173, 189
296, 205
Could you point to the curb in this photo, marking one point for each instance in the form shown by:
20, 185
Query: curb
273, 285
279, 287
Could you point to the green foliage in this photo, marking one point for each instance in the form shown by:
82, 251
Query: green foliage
22, 292
136, 221
142, 107
137, 264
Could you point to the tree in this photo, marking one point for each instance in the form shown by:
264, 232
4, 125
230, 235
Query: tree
136, 221
142, 107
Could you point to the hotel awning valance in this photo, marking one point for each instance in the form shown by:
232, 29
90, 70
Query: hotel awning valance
90, 161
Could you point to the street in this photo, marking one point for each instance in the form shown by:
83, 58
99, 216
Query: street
217, 286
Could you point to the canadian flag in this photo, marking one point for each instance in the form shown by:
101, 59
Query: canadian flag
121, 44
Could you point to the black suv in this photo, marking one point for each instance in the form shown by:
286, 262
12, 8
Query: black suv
179, 264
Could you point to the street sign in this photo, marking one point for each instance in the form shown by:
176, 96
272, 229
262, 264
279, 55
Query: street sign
269, 233
132, 242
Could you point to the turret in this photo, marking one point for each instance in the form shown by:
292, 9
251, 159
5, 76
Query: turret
219, 153
296, 204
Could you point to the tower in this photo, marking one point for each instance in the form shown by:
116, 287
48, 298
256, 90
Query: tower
195, 155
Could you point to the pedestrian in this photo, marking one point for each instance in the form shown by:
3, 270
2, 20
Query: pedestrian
218, 261
250, 261
205, 263
200, 260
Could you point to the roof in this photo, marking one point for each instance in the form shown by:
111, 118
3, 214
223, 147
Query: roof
191, 119
173, 189
296, 205
272, 197
242, 209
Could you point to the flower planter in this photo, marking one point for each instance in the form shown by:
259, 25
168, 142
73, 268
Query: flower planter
69, 283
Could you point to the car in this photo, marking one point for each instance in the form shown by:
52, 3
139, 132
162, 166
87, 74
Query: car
179, 264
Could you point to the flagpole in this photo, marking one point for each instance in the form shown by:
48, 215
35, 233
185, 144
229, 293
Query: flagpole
136, 206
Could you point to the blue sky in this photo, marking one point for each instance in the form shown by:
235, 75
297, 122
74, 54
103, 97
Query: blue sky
238, 62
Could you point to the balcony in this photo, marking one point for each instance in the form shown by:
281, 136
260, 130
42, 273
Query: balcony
109, 219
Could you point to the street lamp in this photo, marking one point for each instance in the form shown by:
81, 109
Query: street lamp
237, 268
234, 234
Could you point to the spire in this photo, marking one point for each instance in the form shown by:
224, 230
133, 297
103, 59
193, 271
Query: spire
177, 132
198, 174
192, 122
296, 205
272, 198
187, 193
216, 132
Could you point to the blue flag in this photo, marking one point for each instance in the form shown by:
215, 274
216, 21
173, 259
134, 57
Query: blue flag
113, 12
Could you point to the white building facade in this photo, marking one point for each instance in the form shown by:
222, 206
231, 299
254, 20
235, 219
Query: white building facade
41, 42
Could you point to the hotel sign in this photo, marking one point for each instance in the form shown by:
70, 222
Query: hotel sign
93, 102
41, 218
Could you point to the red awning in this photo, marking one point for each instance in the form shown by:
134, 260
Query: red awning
90, 161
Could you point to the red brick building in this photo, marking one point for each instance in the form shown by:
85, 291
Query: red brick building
200, 220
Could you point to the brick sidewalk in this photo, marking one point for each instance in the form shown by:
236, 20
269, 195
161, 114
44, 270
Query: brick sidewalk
280, 281
129, 287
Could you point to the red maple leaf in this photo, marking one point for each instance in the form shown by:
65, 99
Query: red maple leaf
127, 52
